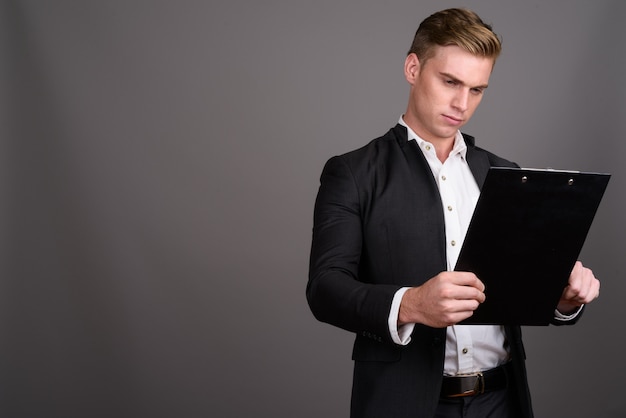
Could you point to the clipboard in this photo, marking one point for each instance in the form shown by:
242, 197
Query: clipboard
525, 235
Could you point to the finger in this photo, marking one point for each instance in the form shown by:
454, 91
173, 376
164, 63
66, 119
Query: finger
462, 306
593, 291
463, 292
466, 278
579, 282
590, 286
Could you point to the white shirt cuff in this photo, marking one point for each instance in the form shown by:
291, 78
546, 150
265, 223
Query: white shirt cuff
400, 335
560, 317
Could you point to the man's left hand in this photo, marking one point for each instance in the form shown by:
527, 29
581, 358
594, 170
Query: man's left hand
582, 288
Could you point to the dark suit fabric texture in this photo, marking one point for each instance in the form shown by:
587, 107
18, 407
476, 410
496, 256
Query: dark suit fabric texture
379, 226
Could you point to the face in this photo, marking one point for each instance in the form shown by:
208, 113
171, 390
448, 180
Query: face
445, 91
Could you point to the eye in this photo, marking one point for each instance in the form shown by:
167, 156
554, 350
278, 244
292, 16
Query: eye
477, 91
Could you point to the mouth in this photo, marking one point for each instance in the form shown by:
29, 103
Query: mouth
453, 120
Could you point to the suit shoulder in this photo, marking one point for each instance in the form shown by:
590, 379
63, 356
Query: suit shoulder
378, 148
494, 160
497, 161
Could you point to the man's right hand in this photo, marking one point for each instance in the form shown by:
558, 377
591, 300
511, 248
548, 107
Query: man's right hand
446, 299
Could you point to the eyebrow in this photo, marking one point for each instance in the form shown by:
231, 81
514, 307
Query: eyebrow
448, 75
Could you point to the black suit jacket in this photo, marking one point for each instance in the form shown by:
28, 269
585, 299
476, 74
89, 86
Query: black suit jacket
379, 226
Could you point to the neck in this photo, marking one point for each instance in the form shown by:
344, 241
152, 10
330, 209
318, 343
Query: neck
443, 150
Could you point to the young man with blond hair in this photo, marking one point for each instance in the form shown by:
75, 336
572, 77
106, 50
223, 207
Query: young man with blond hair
389, 221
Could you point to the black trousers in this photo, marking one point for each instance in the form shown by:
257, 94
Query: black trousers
494, 404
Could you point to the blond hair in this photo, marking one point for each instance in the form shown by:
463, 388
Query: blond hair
460, 27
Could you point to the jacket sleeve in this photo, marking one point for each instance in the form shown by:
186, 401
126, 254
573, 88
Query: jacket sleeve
336, 291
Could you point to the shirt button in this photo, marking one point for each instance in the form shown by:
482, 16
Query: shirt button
450, 208
443, 178
427, 147
465, 350
453, 243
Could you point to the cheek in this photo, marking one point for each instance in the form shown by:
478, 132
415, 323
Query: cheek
442, 96
432, 99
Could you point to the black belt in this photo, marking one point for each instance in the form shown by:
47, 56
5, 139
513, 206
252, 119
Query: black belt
475, 383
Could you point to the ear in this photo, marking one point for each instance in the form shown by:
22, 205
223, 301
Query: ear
411, 68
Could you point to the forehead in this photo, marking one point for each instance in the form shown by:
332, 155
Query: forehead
469, 68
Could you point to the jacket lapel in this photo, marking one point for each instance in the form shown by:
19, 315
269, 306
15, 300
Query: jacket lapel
423, 176
478, 161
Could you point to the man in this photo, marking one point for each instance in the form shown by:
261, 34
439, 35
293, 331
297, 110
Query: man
389, 221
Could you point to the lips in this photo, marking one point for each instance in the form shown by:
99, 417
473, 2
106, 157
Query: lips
453, 120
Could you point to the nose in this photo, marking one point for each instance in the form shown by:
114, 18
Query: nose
461, 100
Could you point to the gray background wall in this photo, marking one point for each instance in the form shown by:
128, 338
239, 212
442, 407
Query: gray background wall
160, 160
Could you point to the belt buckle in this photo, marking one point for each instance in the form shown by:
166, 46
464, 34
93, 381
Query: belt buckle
479, 385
